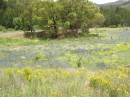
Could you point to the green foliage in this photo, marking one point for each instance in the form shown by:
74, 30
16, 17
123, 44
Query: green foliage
116, 16
2, 28
50, 15
74, 59
40, 57
113, 82
18, 23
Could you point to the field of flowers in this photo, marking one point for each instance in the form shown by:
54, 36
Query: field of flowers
32, 82
96, 65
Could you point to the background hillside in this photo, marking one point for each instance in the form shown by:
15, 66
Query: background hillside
116, 13
117, 3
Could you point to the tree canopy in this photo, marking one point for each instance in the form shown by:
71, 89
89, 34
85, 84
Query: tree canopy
53, 16
116, 15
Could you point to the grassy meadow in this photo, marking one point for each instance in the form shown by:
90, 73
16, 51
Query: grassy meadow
94, 65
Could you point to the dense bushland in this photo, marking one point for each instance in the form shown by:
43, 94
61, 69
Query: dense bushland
116, 16
58, 18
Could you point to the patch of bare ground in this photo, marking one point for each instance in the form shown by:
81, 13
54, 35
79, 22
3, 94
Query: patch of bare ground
15, 34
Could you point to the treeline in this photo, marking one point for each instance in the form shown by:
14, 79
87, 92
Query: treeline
116, 16
53, 16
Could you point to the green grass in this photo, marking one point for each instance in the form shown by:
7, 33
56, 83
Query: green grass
96, 65
105, 57
18, 42
95, 35
103, 48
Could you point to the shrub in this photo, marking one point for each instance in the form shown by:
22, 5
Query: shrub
2, 28
113, 82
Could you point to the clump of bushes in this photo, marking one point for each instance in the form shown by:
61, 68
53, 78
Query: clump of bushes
40, 57
57, 18
73, 59
30, 73
2, 28
113, 83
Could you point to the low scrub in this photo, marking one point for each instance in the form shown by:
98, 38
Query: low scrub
111, 83
30, 82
